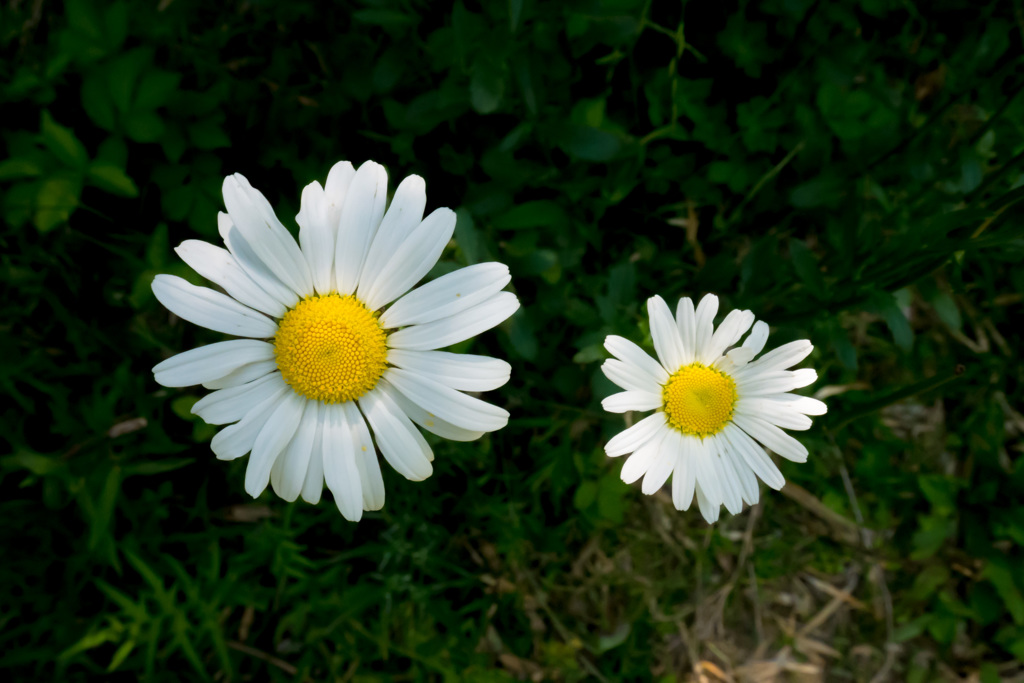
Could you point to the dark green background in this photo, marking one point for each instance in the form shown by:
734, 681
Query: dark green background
847, 170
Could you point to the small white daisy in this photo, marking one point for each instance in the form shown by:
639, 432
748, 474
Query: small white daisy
340, 360
711, 404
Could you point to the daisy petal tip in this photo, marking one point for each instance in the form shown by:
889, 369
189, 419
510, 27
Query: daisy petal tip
352, 515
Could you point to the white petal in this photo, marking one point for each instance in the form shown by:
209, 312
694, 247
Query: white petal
684, 479
247, 259
736, 323
231, 405
398, 439
732, 495
801, 404
777, 382
774, 412
756, 339
447, 295
754, 456
744, 476
659, 471
269, 239
316, 236
707, 473
432, 423
630, 353
236, 440
709, 510
366, 460
210, 362
686, 321
289, 471
631, 400
643, 458
277, 431
447, 331
772, 437
361, 214
461, 371
705, 325
447, 403
731, 362
413, 259
339, 179
210, 309
783, 357
313, 484
243, 375
340, 470
636, 436
402, 217
665, 334
222, 269
628, 376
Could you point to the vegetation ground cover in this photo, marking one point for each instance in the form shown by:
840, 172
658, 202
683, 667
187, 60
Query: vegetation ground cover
849, 170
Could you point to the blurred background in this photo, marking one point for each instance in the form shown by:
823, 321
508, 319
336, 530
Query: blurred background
848, 170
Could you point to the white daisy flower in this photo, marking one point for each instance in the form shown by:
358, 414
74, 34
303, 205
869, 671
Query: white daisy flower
327, 358
713, 405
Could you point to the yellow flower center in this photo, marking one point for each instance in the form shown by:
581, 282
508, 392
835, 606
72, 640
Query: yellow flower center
330, 348
699, 400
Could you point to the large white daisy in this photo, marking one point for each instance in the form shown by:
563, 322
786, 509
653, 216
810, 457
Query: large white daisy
713, 405
327, 358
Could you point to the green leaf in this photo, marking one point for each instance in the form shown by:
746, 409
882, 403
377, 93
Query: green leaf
989, 673
999, 572
97, 102
182, 407
822, 191
1011, 638
62, 143
56, 200
928, 581
208, 135
173, 143
143, 126
468, 238
158, 247
515, 11
806, 266
13, 169
20, 202
844, 348
82, 17
121, 654
885, 305
536, 214
99, 525
111, 178
590, 354
585, 495
486, 88
931, 535
113, 150
947, 310
123, 74
589, 144
156, 89
36, 463
156, 467
388, 18
115, 21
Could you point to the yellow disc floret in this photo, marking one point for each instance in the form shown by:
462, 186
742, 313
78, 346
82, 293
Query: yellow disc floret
330, 348
699, 400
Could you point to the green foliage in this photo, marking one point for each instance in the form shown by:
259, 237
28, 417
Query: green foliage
850, 171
